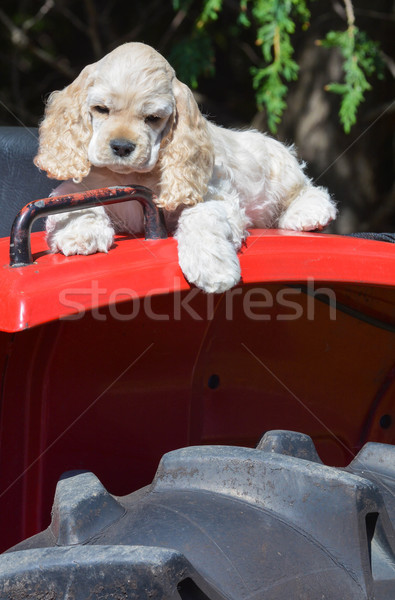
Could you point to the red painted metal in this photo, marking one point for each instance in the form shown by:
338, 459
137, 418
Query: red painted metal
56, 286
110, 360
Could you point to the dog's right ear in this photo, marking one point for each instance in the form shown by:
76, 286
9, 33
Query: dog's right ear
66, 130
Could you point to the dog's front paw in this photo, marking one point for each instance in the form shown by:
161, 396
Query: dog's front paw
85, 232
209, 235
211, 273
86, 242
312, 210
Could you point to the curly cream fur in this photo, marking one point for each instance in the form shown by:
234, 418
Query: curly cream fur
188, 158
65, 132
128, 120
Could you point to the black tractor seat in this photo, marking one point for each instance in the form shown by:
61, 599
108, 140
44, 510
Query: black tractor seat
20, 180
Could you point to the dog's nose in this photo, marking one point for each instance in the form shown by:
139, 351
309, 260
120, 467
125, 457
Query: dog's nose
122, 147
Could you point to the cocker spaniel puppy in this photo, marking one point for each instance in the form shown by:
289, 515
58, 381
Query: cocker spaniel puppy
128, 120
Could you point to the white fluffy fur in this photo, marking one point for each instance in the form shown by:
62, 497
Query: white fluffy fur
212, 182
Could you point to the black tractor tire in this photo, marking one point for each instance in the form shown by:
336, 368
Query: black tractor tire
220, 522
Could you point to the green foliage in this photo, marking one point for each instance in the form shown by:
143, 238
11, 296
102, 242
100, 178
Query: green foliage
273, 22
255, 38
210, 12
360, 60
193, 57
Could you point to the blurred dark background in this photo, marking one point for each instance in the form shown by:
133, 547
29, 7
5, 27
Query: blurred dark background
45, 44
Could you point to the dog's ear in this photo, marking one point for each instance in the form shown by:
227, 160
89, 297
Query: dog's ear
65, 131
187, 157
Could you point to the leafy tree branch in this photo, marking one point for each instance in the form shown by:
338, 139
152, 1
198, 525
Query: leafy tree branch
274, 22
361, 58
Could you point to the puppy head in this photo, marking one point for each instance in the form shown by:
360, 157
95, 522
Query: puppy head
113, 115
131, 105
128, 113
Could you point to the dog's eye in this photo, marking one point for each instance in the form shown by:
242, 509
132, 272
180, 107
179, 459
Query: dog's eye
103, 110
152, 119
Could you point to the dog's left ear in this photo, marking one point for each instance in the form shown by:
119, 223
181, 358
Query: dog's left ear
187, 157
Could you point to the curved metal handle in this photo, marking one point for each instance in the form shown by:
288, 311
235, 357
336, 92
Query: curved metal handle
20, 252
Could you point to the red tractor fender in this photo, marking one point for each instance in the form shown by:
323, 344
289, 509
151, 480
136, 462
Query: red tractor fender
110, 360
